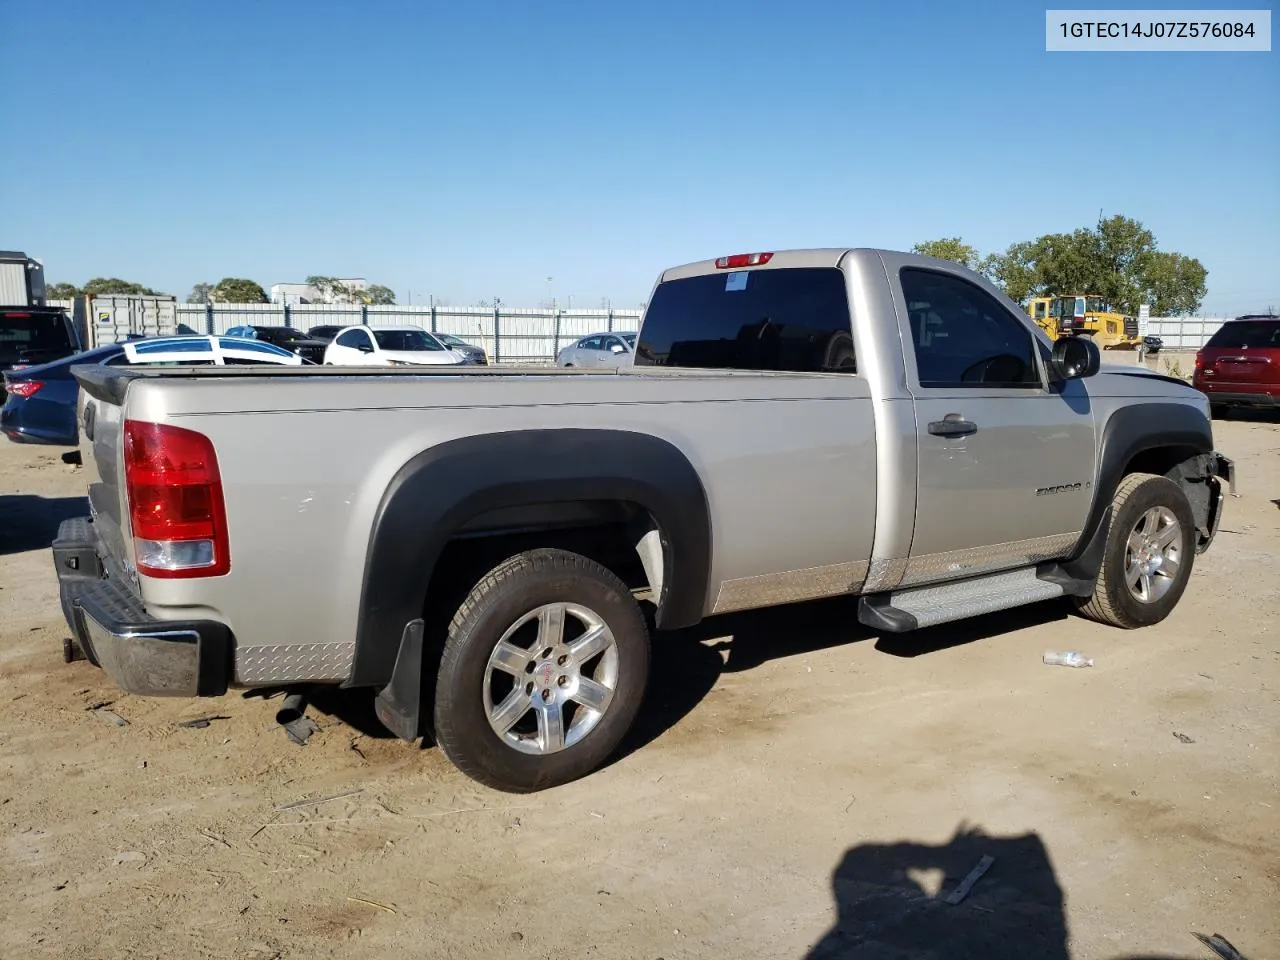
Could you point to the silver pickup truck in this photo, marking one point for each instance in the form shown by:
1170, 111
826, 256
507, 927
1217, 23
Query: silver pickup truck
487, 549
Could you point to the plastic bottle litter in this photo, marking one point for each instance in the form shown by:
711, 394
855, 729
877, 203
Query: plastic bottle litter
1068, 658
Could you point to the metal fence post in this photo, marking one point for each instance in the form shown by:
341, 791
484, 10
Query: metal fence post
497, 335
433, 318
611, 319
555, 338
364, 315
208, 318
288, 315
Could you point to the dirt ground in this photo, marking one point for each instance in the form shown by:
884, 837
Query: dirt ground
798, 788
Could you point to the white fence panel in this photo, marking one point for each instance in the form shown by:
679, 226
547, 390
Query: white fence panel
508, 335
1183, 333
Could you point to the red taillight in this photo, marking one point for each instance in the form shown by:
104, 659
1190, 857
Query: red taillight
24, 388
744, 260
175, 501
1199, 360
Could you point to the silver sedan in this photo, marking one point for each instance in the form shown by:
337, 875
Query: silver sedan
596, 350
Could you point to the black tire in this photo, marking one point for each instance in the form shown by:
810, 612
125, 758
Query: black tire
508, 592
1113, 602
1219, 411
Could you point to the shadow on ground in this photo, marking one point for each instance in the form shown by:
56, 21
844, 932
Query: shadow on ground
892, 901
29, 522
687, 663
1249, 414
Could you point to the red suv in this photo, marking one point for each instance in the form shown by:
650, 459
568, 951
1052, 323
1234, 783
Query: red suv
1240, 365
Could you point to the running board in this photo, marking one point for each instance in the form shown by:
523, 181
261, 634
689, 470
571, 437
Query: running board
910, 609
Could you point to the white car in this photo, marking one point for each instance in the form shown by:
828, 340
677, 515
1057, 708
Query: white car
389, 346
187, 351
607, 350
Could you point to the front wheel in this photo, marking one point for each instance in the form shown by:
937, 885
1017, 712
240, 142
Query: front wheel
543, 672
1148, 556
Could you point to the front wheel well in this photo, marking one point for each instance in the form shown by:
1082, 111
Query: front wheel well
1185, 466
1162, 461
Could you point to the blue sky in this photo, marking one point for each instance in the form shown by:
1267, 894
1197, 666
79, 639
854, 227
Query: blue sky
467, 150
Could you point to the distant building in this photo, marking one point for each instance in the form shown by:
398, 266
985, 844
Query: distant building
292, 294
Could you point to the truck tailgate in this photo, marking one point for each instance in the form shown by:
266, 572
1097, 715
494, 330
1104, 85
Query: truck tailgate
101, 436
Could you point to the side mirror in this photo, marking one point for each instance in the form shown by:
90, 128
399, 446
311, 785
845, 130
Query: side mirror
365, 347
617, 348
1074, 357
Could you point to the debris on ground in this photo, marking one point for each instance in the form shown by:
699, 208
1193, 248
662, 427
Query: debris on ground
1069, 658
318, 800
300, 730
197, 723
115, 718
1219, 945
962, 891
1183, 737
372, 903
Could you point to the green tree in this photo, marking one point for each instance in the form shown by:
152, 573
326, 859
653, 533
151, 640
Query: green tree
1123, 248
237, 290
1172, 284
950, 248
331, 289
61, 291
201, 293
1118, 259
377, 295
108, 286
1014, 270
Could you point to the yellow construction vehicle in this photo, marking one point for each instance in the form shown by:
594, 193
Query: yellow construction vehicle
1085, 315
1038, 310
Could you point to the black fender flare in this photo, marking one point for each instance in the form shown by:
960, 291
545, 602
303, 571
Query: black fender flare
1129, 432
437, 491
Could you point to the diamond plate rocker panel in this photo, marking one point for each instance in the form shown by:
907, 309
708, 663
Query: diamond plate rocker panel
792, 586
294, 662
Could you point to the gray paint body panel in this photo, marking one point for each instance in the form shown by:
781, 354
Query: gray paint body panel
791, 458
817, 484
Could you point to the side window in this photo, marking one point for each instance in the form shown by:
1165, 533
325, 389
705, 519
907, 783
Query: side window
611, 342
352, 338
1040, 309
590, 343
963, 337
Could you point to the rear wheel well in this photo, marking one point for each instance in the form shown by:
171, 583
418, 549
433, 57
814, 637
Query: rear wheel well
618, 535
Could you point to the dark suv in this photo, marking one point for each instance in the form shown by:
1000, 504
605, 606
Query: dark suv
295, 341
33, 335
1240, 365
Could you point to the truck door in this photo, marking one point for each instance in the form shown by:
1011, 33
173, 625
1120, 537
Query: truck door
1005, 463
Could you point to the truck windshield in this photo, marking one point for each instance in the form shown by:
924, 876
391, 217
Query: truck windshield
779, 319
406, 340
29, 337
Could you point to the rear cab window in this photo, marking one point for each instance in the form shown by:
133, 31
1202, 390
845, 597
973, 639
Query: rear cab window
786, 319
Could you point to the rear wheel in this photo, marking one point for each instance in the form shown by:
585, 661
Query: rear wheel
543, 672
1148, 556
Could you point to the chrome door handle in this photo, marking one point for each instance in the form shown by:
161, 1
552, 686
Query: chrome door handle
952, 425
